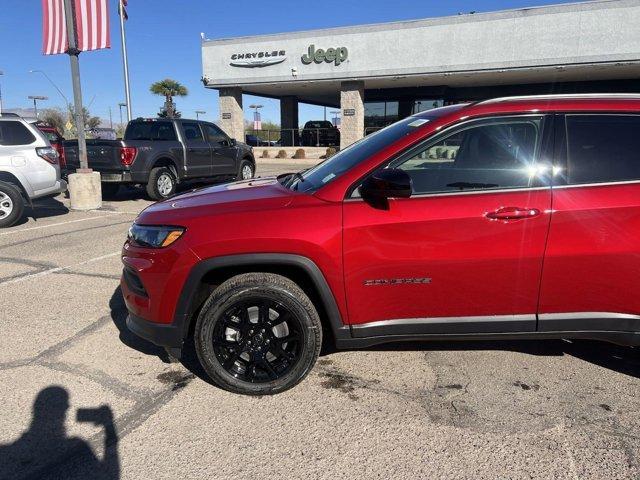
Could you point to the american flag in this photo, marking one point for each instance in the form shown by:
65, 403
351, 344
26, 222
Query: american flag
91, 21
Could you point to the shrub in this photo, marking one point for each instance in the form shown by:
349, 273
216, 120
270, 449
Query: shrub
265, 154
281, 154
330, 152
299, 153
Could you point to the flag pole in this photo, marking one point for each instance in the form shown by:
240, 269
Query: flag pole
125, 59
73, 52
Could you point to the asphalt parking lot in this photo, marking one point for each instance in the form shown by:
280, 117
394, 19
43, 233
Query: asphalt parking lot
83, 398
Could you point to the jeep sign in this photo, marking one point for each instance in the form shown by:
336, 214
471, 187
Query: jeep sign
335, 55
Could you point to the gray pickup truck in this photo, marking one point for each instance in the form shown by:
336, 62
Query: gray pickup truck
160, 153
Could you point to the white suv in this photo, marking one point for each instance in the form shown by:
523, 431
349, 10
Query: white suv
29, 167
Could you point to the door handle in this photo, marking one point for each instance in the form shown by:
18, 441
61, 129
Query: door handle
512, 213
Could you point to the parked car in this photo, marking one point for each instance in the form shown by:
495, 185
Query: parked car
321, 133
55, 139
29, 167
160, 153
513, 218
103, 133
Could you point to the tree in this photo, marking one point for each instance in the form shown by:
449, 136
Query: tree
55, 118
168, 88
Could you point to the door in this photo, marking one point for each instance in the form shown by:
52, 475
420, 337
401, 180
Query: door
592, 266
197, 151
223, 152
464, 253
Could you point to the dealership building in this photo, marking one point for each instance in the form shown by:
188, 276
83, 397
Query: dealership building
376, 74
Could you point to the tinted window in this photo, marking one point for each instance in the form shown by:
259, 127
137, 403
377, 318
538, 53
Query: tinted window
319, 124
15, 133
214, 134
346, 159
150, 131
603, 148
493, 154
192, 131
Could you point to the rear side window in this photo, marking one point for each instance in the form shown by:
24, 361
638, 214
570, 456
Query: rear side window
192, 131
15, 133
150, 131
603, 148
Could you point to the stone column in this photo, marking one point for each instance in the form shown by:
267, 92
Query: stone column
352, 108
231, 115
289, 120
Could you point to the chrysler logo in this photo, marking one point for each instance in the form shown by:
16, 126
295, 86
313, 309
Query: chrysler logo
257, 59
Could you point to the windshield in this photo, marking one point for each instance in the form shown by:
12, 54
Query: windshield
323, 173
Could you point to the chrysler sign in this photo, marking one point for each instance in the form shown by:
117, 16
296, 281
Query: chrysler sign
257, 59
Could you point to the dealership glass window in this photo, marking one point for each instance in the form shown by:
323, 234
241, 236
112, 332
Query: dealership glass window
426, 104
491, 154
380, 114
15, 133
602, 148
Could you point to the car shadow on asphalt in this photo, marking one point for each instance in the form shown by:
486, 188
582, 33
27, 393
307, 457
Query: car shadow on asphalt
119, 316
42, 208
621, 359
45, 449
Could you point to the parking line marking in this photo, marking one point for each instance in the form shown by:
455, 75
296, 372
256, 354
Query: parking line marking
61, 223
58, 269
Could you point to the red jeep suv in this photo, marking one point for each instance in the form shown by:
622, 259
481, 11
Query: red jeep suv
508, 218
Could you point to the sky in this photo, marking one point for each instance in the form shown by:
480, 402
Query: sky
163, 40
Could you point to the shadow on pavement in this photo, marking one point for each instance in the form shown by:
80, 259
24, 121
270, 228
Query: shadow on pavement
625, 360
43, 208
131, 340
46, 449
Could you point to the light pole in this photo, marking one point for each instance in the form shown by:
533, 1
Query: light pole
120, 105
198, 113
122, 13
1, 73
256, 116
66, 100
35, 99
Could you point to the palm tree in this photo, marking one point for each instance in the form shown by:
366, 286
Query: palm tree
169, 88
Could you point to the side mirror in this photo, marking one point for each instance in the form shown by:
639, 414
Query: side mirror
385, 184
233, 142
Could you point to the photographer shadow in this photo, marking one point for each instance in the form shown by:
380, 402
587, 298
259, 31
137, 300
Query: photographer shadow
46, 450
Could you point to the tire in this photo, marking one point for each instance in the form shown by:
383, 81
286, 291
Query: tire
110, 190
162, 183
11, 204
239, 355
246, 171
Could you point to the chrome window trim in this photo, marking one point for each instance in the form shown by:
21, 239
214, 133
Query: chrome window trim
470, 192
585, 315
601, 184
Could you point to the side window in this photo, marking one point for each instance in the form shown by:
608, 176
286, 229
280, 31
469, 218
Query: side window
490, 154
214, 134
192, 131
602, 148
15, 133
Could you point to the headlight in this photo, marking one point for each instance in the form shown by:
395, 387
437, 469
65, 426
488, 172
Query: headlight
154, 236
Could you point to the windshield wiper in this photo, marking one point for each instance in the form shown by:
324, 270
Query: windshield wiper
463, 185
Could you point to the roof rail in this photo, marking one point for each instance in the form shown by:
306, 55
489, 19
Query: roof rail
560, 96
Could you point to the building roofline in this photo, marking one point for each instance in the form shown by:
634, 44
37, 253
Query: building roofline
448, 19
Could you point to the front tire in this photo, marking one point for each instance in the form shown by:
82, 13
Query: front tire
247, 170
258, 334
11, 204
162, 183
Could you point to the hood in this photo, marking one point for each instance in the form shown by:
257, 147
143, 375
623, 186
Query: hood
254, 194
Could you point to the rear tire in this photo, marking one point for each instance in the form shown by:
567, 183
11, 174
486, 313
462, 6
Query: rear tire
110, 190
258, 334
162, 183
11, 204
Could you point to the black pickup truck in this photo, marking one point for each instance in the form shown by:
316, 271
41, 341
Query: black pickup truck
160, 153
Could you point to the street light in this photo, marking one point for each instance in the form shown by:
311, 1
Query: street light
121, 105
198, 113
1, 73
35, 99
66, 101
